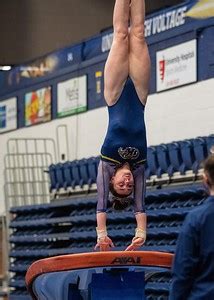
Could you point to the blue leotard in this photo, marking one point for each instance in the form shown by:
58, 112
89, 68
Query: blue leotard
125, 141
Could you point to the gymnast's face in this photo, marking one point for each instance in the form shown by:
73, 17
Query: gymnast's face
123, 181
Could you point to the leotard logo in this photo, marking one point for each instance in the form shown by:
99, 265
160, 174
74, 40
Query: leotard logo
129, 153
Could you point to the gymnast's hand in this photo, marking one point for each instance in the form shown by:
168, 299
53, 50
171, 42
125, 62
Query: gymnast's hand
104, 243
137, 242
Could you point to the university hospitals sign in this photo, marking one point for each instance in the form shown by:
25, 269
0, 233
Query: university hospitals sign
176, 66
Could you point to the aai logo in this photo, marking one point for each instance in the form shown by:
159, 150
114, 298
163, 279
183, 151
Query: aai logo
126, 260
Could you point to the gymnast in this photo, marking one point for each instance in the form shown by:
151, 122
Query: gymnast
123, 154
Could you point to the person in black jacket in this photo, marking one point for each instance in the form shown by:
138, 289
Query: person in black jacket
193, 269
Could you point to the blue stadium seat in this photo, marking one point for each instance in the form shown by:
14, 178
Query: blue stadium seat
151, 197
92, 169
175, 194
75, 171
69, 180
151, 163
18, 282
175, 157
160, 287
84, 174
52, 176
200, 152
188, 157
59, 176
210, 143
163, 160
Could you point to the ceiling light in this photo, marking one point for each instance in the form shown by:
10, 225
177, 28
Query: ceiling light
5, 68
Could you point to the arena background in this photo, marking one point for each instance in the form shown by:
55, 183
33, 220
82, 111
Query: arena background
31, 28
29, 31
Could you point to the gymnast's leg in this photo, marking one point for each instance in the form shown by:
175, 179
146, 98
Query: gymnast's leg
117, 65
139, 60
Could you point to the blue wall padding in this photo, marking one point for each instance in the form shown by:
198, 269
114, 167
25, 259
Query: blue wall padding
118, 285
205, 54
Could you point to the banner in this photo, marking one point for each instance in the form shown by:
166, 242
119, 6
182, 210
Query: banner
72, 96
165, 21
8, 115
173, 19
176, 66
38, 106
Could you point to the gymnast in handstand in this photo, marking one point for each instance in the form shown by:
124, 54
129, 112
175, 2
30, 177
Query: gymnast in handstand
123, 155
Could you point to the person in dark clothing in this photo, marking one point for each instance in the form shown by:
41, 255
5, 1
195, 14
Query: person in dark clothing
193, 269
123, 153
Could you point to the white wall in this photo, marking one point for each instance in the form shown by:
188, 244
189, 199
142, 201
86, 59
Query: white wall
185, 112
181, 113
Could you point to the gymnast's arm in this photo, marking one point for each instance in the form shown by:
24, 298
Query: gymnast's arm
139, 209
105, 172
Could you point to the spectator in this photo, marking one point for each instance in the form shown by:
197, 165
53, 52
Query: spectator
193, 270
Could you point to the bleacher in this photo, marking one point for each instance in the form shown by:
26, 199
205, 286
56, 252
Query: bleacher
67, 224
173, 162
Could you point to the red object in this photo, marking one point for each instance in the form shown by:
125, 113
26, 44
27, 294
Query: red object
162, 67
